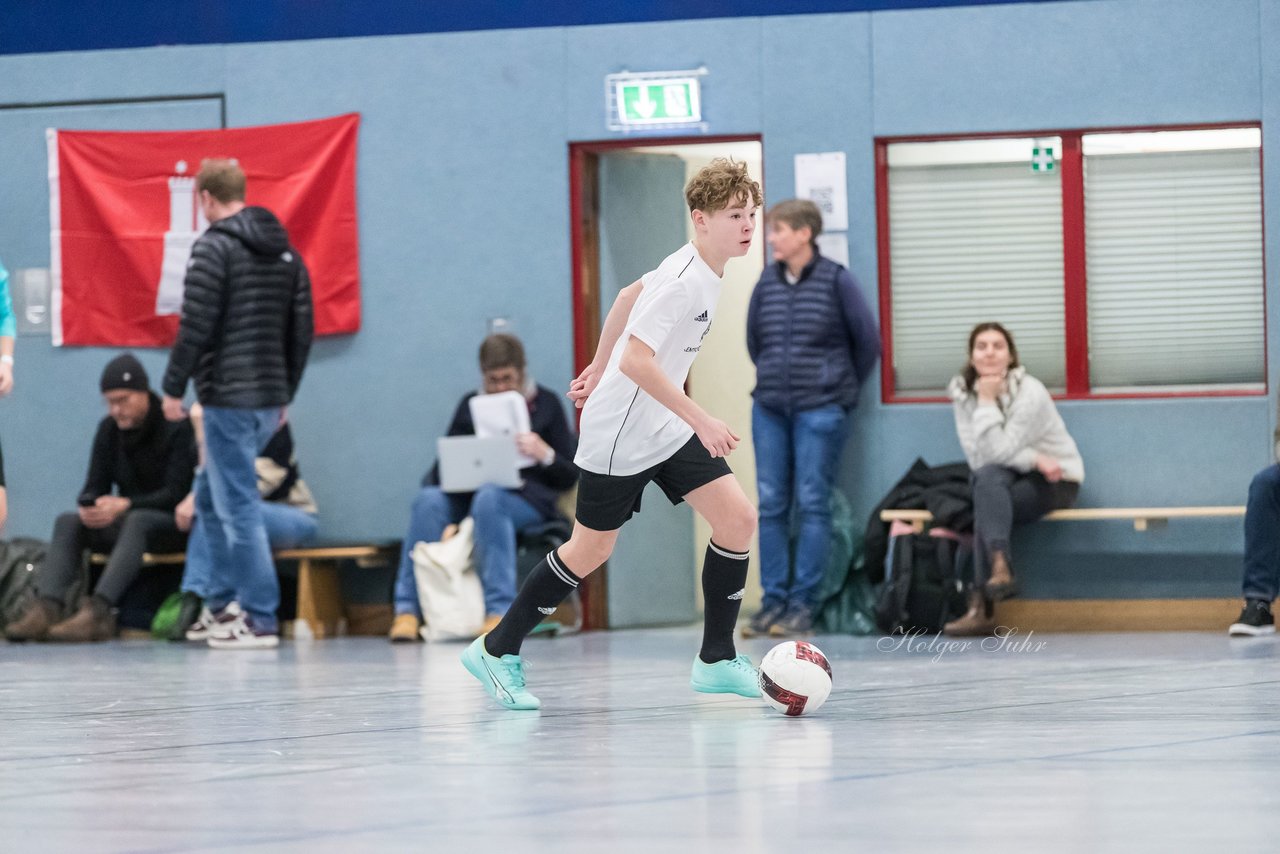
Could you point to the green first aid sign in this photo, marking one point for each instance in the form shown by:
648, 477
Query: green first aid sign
658, 102
1042, 160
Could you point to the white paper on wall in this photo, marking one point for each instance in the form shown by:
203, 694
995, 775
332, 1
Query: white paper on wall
835, 246
821, 179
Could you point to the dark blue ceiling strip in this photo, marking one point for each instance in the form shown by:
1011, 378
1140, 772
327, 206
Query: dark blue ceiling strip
39, 26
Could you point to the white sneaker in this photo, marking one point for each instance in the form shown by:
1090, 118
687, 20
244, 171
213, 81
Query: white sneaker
217, 624
240, 633
200, 629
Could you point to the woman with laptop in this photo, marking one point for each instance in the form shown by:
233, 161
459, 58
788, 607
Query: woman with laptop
544, 448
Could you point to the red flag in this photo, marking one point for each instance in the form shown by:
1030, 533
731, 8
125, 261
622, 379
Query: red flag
124, 216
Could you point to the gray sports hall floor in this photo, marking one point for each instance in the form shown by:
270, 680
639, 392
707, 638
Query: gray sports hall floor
1138, 742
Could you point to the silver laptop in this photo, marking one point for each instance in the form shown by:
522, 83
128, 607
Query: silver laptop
469, 462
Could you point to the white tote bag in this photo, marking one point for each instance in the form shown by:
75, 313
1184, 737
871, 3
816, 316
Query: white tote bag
449, 590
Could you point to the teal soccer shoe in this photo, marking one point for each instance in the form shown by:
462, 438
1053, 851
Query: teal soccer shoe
502, 677
734, 676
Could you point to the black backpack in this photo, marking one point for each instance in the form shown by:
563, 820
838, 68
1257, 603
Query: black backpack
19, 560
922, 590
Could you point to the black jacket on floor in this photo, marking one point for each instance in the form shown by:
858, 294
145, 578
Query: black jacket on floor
942, 490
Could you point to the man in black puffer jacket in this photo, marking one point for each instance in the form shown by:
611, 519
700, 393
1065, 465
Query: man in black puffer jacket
244, 336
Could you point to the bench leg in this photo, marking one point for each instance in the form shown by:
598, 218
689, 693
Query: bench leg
319, 597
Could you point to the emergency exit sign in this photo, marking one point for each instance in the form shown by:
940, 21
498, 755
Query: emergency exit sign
661, 100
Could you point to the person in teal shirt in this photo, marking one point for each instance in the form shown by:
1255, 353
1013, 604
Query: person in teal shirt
8, 329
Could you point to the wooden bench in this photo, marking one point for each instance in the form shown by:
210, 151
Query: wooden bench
1110, 615
1142, 516
319, 593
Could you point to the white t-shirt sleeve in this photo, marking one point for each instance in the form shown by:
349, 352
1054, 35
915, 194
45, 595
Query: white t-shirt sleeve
653, 321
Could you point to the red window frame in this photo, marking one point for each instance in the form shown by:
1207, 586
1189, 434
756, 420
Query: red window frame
1074, 285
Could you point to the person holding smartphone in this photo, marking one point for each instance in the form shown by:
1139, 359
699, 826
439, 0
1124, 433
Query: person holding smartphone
140, 468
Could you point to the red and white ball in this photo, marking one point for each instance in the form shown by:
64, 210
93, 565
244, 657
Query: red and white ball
795, 678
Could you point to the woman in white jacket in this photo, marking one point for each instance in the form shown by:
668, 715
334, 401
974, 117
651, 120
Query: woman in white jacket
1025, 463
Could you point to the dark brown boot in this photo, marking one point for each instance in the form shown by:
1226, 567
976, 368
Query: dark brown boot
978, 621
35, 621
1001, 585
94, 621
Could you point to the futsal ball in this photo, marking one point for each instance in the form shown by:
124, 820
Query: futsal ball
795, 678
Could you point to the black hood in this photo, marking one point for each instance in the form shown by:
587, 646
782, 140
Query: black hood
256, 228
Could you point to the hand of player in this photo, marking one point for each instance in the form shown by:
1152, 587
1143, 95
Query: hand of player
185, 513
1049, 467
173, 410
582, 387
716, 437
6, 378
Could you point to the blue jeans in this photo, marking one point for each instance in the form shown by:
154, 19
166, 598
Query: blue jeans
229, 510
796, 459
287, 528
1262, 536
498, 515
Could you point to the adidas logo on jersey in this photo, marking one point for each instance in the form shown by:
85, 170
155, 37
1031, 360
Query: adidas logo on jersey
737, 595
702, 318
547, 611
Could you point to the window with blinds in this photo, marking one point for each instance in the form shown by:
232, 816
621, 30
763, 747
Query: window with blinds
975, 235
1124, 262
1173, 248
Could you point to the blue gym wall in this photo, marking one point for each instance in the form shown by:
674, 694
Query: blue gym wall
463, 198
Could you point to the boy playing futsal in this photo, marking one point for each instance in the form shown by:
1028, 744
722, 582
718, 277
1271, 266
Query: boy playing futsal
638, 426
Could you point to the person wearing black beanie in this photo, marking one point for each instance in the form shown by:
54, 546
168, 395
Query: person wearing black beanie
141, 466
124, 372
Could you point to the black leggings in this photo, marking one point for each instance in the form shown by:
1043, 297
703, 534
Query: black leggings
1003, 498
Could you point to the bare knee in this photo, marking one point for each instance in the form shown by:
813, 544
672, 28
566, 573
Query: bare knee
583, 554
735, 530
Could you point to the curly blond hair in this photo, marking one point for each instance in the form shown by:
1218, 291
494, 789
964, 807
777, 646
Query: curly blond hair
720, 183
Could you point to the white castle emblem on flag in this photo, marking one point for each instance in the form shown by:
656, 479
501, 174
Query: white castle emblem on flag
186, 223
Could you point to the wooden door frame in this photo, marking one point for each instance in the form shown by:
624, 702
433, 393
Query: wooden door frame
584, 229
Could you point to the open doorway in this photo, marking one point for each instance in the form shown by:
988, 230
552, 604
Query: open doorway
628, 213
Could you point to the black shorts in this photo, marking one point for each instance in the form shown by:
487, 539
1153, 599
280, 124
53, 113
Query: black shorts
605, 501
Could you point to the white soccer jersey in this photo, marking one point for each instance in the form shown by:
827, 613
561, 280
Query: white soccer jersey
623, 430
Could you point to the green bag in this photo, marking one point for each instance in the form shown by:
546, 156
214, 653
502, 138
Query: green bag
846, 598
166, 618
